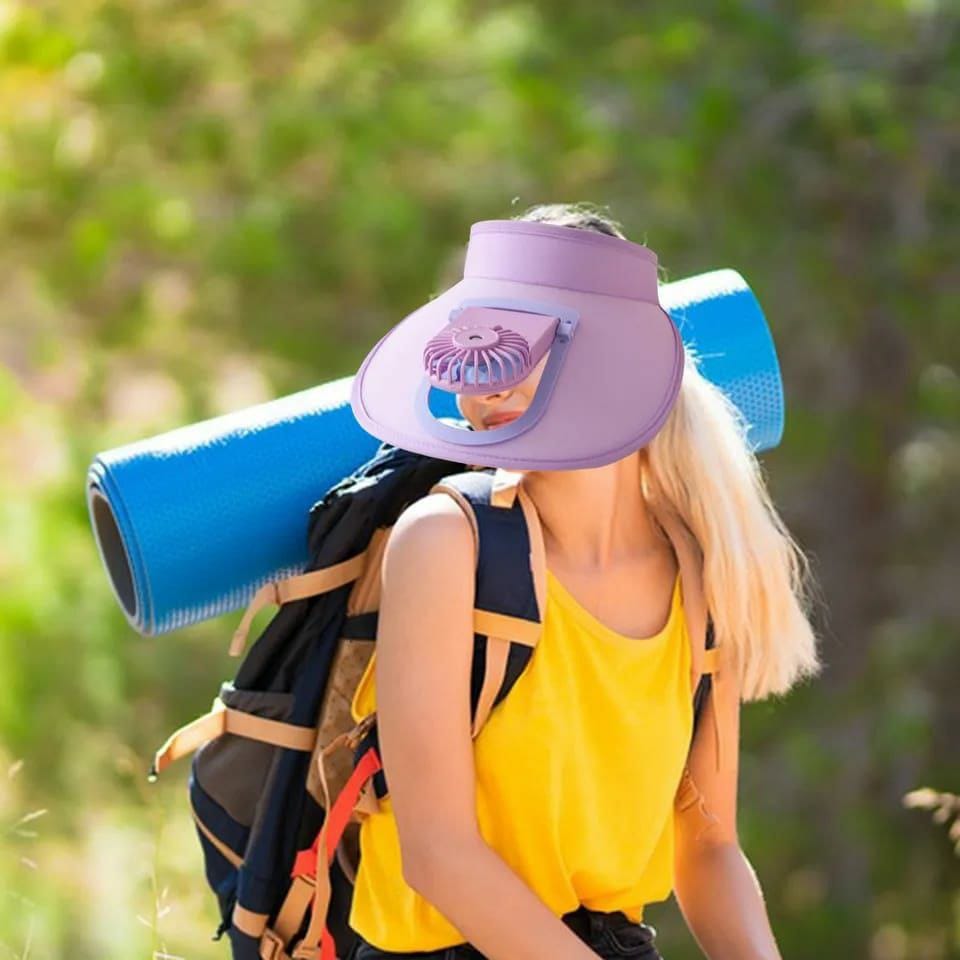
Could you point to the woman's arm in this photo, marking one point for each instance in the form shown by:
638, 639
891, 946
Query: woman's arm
422, 673
715, 885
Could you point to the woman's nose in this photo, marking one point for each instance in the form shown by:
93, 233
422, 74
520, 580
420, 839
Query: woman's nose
495, 397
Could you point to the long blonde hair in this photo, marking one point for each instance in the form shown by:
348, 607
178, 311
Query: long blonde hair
757, 580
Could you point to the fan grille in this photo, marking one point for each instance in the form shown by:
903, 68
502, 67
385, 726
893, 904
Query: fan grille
473, 358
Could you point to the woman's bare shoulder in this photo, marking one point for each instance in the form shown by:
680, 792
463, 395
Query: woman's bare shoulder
430, 549
430, 530
424, 654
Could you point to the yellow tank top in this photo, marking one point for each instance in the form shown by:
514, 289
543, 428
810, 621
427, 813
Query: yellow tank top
576, 771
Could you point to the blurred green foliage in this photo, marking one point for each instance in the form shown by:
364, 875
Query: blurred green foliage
207, 204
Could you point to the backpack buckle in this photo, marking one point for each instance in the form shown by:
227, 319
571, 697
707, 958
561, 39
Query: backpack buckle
305, 953
271, 946
354, 736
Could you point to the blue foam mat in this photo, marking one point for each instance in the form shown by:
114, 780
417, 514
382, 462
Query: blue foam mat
190, 523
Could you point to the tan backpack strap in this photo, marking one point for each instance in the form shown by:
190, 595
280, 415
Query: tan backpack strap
248, 922
317, 941
308, 947
189, 737
297, 901
506, 489
275, 732
496, 669
223, 719
485, 621
252, 924
711, 660
538, 551
721, 736
295, 906
303, 892
517, 629
271, 946
690, 560
296, 588
726, 700
505, 486
715, 660
233, 858
500, 629
320, 902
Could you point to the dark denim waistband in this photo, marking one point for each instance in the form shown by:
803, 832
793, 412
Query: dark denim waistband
611, 935
579, 921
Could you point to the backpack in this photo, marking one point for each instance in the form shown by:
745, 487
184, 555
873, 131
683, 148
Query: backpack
282, 776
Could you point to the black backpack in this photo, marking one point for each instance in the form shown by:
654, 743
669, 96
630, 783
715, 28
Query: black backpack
280, 747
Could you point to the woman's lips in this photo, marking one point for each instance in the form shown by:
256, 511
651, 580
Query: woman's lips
495, 419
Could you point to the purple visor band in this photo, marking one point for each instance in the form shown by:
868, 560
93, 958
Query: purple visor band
579, 260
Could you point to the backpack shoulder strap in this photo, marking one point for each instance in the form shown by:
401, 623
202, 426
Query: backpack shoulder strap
511, 593
510, 581
709, 666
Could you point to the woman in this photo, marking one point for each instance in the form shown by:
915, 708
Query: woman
545, 836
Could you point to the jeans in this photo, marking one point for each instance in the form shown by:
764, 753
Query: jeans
610, 935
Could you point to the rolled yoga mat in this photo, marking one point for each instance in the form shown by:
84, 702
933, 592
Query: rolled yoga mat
190, 523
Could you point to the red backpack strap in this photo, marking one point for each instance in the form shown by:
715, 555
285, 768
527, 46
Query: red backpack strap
310, 887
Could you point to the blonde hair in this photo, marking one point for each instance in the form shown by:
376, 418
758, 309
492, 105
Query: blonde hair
755, 575
757, 580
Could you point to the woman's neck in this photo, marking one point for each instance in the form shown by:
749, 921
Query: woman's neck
595, 518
